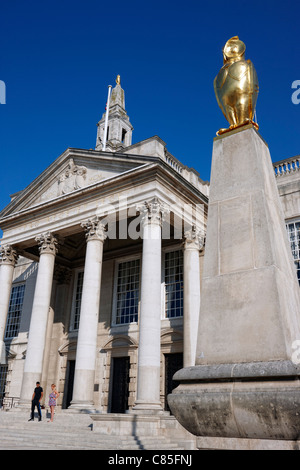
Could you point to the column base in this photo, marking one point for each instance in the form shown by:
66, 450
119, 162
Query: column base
149, 408
28, 385
82, 407
240, 401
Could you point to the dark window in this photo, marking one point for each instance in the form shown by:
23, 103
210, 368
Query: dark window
124, 132
128, 288
15, 311
174, 284
78, 296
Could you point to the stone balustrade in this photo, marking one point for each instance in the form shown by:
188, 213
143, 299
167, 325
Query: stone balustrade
287, 166
173, 163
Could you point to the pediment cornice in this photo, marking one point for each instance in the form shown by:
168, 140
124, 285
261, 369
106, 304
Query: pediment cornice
75, 169
64, 214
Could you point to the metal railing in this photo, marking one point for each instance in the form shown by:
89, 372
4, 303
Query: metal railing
7, 403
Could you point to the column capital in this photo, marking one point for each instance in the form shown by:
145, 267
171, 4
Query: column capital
8, 255
94, 229
194, 239
47, 243
153, 211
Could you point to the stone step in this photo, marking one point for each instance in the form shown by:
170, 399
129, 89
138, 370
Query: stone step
41, 436
69, 431
18, 443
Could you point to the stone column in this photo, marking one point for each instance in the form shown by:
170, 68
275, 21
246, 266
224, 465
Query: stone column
7, 264
148, 373
61, 279
193, 243
39, 317
83, 389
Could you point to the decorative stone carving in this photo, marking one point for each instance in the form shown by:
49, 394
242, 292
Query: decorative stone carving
194, 239
153, 212
94, 229
47, 243
8, 255
73, 178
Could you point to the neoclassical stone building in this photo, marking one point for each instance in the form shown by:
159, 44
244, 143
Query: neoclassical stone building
100, 276
100, 273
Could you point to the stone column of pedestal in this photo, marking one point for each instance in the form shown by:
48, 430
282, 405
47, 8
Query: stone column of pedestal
245, 384
8, 259
193, 243
148, 373
83, 389
39, 317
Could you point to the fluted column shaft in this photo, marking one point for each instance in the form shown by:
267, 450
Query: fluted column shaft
83, 388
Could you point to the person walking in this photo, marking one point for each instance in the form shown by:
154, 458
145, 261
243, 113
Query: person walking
36, 401
52, 401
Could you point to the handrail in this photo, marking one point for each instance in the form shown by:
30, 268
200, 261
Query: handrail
9, 402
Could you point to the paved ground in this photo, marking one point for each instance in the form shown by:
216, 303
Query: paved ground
70, 432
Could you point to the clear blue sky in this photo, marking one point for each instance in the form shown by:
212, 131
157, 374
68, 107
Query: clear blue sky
58, 57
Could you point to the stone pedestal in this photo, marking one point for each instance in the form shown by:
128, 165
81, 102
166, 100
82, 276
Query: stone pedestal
244, 384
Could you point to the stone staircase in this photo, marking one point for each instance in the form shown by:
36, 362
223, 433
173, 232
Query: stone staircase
73, 432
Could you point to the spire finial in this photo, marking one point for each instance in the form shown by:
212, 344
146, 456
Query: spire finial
118, 80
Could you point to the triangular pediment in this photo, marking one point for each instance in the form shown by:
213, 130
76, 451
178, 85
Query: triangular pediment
74, 170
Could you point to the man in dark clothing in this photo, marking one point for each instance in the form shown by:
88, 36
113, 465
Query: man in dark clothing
36, 398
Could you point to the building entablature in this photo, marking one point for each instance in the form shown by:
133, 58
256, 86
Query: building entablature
113, 198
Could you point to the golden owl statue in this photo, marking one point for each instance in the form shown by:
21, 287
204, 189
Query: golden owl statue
236, 86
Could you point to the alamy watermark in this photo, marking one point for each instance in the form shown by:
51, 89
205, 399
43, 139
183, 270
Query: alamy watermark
296, 93
123, 221
2, 92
